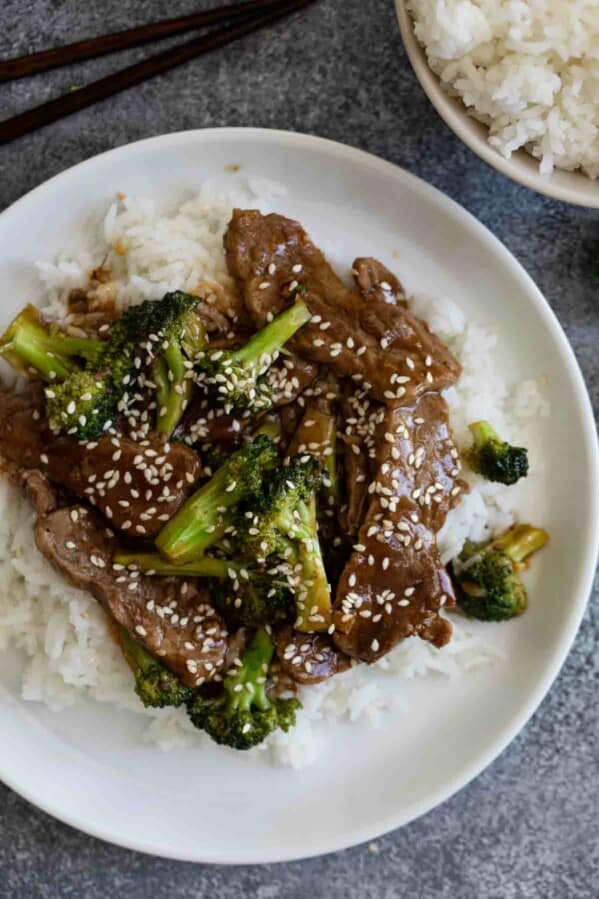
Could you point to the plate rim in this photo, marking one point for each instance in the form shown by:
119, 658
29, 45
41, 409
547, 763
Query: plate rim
357, 835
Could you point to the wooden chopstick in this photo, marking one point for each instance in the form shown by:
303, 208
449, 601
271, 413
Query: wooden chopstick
29, 121
20, 67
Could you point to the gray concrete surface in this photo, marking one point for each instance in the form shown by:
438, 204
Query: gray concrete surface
528, 827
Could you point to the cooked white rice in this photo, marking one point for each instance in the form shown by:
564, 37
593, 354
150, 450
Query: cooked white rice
69, 654
530, 70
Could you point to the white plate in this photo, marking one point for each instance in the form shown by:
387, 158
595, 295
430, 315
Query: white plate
86, 766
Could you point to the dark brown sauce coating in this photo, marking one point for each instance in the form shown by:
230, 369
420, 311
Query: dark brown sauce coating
376, 282
205, 424
395, 584
309, 658
138, 486
359, 417
391, 353
169, 616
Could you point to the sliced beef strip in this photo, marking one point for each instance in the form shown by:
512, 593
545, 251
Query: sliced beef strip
223, 310
361, 419
389, 591
173, 620
37, 488
390, 352
395, 584
309, 658
376, 282
138, 486
423, 458
289, 377
356, 480
318, 425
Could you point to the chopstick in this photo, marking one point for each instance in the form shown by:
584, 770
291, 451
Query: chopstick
53, 110
22, 66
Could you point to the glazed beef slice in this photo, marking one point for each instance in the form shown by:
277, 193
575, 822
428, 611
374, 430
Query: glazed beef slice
393, 354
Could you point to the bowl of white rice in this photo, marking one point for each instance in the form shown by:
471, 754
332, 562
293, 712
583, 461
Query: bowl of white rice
517, 82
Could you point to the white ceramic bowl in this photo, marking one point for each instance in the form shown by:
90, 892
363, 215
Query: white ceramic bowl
87, 765
571, 187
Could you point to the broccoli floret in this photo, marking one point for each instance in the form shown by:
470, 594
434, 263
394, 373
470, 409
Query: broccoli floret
268, 522
495, 459
280, 525
155, 685
205, 516
234, 378
258, 598
169, 331
486, 576
153, 563
33, 346
83, 405
241, 715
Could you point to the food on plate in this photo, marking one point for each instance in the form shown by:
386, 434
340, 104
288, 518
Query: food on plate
494, 458
240, 714
252, 480
487, 574
527, 70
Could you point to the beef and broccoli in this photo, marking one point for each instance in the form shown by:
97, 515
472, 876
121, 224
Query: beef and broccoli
254, 498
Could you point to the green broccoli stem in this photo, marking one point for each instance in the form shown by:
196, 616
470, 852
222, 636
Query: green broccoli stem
332, 486
173, 389
251, 676
155, 684
29, 343
314, 612
201, 521
36, 355
520, 542
259, 352
154, 563
194, 336
87, 348
271, 427
482, 432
